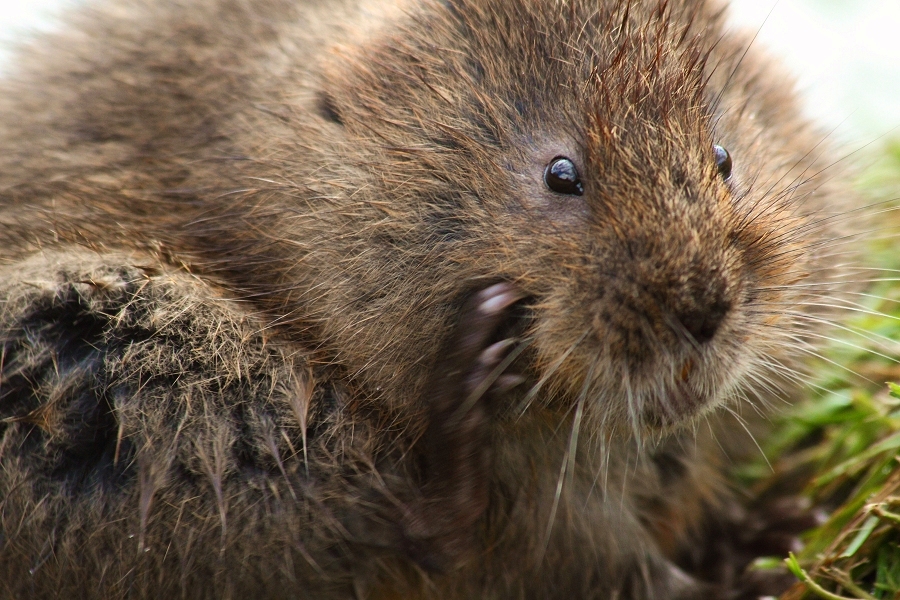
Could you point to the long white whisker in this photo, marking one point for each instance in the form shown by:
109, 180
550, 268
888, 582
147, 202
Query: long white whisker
536, 388
752, 437
567, 468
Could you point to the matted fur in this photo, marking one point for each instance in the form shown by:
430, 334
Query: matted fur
237, 234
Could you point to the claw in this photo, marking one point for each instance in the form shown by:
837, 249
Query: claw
457, 444
494, 353
507, 382
497, 298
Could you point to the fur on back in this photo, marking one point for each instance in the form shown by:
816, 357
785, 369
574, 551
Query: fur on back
236, 235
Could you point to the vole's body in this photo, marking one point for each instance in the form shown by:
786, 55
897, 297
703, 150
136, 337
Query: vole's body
254, 252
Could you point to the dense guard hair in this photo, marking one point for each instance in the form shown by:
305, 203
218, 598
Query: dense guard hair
380, 299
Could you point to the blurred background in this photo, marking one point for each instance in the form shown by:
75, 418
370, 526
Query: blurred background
844, 53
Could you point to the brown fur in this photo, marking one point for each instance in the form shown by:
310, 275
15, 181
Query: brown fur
240, 242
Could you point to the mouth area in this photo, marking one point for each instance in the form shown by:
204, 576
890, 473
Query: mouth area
651, 389
675, 406
694, 389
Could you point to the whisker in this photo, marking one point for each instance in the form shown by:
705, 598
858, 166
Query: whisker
742, 422
850, 345
875, 338
783, 370
847, 307
800, 347
566, 471
525, 404
831, 283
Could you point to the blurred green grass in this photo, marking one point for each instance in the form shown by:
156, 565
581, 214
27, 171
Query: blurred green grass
840, 445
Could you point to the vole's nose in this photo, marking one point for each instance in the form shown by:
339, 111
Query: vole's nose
698, 303
702, 322
676, 300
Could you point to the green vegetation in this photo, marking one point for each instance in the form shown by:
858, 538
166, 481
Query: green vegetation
842, 442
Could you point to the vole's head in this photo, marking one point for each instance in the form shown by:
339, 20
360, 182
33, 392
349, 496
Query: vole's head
649, 186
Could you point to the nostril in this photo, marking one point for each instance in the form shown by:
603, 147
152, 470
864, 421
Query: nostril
702, 324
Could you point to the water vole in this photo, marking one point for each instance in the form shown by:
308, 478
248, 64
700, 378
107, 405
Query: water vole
413, 299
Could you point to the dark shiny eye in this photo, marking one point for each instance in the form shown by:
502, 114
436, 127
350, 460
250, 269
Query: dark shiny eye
561, 176
723, 162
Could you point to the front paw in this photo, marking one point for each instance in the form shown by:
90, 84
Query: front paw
456, 445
